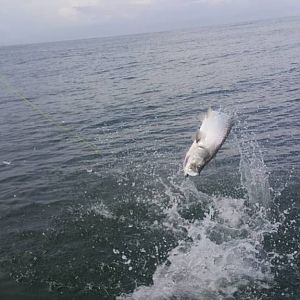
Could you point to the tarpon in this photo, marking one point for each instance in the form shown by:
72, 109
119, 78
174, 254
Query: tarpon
208, 139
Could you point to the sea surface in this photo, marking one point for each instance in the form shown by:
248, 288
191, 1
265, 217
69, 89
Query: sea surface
93, 201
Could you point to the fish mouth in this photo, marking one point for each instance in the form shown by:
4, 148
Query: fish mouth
190, 174
193, 173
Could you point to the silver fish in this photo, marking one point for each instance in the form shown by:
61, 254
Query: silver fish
209, 138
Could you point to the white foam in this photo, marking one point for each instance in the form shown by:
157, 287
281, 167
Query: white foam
225, 249
207, 268
100, 209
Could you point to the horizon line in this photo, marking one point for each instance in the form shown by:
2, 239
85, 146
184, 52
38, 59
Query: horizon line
251, 20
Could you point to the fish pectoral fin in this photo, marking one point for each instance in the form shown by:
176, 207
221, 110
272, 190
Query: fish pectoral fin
209, 111
199, 136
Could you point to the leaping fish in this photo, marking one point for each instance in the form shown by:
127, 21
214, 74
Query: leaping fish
209, 138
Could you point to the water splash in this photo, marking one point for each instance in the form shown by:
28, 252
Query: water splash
222, 251
254, 174
100, 209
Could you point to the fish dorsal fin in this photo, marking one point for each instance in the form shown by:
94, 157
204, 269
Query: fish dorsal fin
209, 111
203, 116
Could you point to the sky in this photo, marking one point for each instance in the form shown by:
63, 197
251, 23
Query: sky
31, 21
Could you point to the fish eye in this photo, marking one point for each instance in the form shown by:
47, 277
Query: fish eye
193, 167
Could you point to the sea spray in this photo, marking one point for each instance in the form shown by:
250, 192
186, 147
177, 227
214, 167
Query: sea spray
223, 251
254, 174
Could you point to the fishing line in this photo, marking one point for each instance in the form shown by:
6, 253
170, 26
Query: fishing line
45, 115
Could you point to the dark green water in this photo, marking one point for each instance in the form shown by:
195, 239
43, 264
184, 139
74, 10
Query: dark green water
123, 222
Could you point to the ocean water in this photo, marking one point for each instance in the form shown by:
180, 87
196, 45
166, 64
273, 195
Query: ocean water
93, 201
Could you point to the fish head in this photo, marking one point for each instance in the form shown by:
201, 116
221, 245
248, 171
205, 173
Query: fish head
193, 165
195, 160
